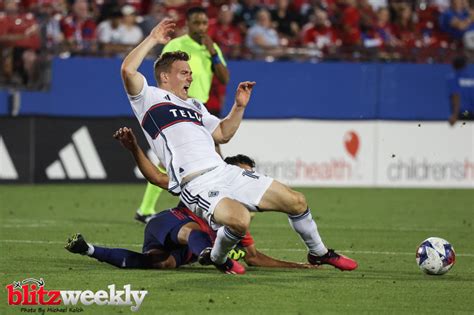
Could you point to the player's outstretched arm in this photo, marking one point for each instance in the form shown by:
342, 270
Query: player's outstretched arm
258, 259
229, 125
132, 79
127, 139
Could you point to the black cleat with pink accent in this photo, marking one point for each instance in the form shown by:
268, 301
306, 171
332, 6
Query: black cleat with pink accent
229, 267
332, 258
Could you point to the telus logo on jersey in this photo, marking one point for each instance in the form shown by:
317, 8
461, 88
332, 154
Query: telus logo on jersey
32, 292
164, 115
180, 113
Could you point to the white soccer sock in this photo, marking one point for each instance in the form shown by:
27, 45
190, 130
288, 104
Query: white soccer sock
305, 226
225, 241
90, 250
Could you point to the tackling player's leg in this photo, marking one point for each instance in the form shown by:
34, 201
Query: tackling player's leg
119, 257
171, 239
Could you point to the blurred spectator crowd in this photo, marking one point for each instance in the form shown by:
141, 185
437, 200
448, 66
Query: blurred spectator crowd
33, 31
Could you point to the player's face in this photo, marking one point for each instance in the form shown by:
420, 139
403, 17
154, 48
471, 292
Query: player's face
197, 25
180, 78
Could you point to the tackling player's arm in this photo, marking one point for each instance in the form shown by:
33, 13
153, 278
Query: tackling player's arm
258, 259
152, 174
229, 125
132, 79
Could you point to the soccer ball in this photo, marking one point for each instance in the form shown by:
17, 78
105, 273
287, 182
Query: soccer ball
435, 256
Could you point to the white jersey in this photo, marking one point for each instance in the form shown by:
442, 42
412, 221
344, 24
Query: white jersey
179, 132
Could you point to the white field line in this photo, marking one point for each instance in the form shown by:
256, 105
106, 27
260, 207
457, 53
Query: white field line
20, 224
28, 223
64, 243
369, 252
49, 223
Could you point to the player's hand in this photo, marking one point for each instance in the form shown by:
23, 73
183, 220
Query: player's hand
244, 91
127, 138
161, 33
209, 43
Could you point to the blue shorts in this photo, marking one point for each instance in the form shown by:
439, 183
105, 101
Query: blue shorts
161, 232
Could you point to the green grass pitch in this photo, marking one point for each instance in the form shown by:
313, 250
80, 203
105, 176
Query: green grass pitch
381, 228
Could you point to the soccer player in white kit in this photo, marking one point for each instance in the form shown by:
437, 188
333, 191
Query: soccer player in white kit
182, 133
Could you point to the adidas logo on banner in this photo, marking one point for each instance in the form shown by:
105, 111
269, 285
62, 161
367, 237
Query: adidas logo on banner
77, 160
7, 168
153, 159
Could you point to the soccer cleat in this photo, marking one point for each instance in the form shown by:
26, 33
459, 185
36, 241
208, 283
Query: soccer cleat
205, 257
229, 267
143, 218
77, 244
332, 258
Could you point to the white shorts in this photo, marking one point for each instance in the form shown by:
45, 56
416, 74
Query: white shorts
202, 194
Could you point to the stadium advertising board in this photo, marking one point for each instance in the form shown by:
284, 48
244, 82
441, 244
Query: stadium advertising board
428, 154
348, 153
298, 152
41, 149
309, 153
16, 156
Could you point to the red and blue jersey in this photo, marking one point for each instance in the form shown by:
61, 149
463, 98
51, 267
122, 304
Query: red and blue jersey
159, 231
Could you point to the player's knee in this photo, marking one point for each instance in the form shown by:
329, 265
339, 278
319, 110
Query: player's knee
240, 224
298, 203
